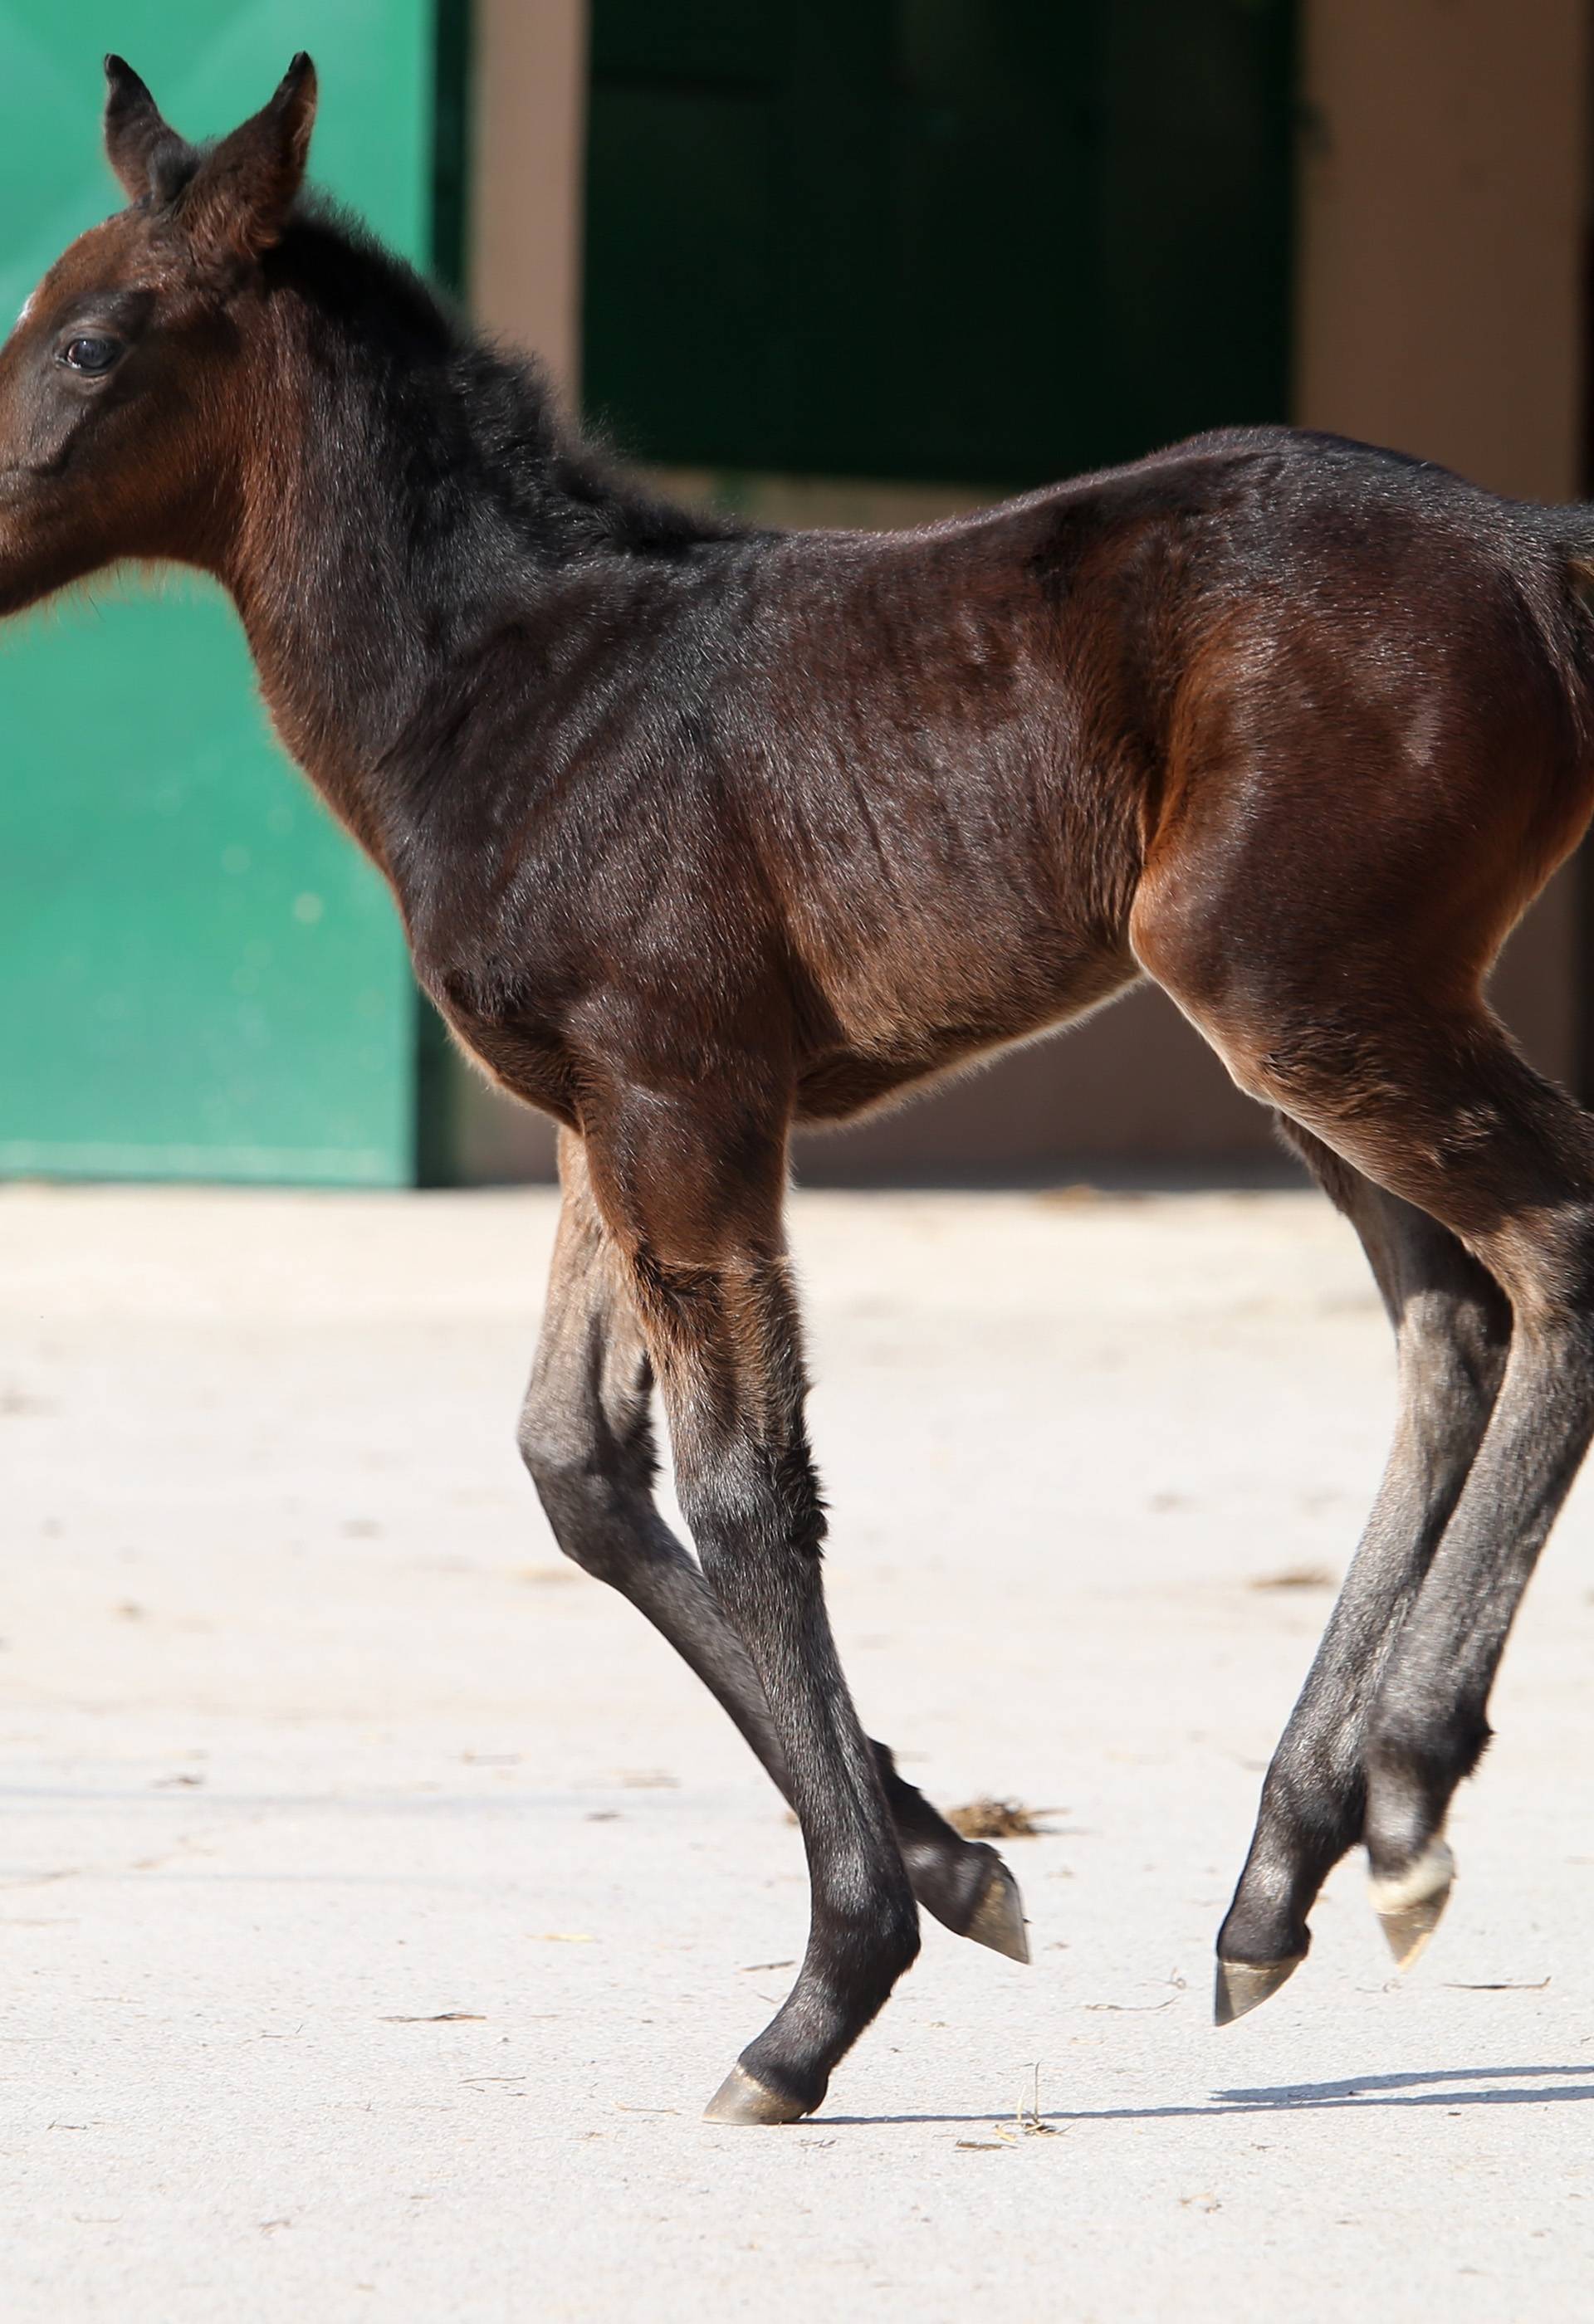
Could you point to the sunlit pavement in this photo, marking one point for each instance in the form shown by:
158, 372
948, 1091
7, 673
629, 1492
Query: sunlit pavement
380, 1902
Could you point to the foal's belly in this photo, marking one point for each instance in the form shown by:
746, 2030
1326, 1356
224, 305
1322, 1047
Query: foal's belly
838, 1082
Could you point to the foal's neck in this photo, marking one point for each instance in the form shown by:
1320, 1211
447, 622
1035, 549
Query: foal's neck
408, 494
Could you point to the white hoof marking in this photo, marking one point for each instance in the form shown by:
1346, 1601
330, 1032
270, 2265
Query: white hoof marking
1431, 1873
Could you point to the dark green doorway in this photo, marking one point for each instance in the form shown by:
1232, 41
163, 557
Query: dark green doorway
936, 239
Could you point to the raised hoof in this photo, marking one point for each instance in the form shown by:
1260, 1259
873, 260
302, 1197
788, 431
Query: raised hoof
1242, 1985
1409, 1906
740, 2098
998, 1920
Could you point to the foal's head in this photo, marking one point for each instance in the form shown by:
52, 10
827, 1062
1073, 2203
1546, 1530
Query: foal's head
121, 389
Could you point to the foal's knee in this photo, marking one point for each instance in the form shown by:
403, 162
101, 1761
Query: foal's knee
1453, 1347
584, 1488
755, 1512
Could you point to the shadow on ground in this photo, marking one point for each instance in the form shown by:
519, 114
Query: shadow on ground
1363, 2090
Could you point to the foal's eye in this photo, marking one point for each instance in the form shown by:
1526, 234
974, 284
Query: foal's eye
90, 355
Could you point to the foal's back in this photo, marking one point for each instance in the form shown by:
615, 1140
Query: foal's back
948, 756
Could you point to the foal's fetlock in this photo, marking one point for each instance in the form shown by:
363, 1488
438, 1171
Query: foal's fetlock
854, 1959
744, 2097
1242, 1985
970, 1891
964, 1883
998, 1919
1253, 1961
1262, 1943
1410, 1897
1410, 1776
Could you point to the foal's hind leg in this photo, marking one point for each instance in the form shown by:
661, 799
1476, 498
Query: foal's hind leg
1453, 1329
586, 1434
1529, 1213
1437, 1107
1368, 802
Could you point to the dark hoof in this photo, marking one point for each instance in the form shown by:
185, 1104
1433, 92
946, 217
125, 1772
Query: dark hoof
998, 1917
1410, 1905
740, 2098
1242, 1986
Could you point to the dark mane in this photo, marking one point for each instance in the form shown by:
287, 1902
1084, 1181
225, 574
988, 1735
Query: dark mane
480, 413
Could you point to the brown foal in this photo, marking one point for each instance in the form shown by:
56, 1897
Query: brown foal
700, 831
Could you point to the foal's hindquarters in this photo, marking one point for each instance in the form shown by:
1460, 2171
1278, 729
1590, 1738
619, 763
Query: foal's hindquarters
1363, 815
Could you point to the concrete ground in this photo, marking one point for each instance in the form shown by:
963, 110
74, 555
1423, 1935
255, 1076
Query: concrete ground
380, 1903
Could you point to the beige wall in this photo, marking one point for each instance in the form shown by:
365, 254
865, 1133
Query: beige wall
1443, 203
1440, 310
1444, 207
529, 96
529, 88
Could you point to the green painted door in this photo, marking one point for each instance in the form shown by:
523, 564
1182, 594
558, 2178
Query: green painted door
962, 241
199, 976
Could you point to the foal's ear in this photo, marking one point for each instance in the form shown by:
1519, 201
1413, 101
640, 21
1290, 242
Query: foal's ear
236, 203
145, 152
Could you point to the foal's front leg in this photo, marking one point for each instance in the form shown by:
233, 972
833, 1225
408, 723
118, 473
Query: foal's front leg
695, 1209
586, 1434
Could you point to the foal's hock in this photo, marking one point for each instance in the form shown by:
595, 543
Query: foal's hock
699, 831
